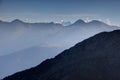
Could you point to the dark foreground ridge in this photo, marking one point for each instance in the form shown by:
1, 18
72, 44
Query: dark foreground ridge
97, 58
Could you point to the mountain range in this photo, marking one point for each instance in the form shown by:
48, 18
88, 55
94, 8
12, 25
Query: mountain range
96, 58
24, 45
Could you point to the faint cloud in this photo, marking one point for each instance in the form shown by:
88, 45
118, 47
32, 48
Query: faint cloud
108, 21
28, 20
100, 19
1, 18
87, 19
75, 15
29, 14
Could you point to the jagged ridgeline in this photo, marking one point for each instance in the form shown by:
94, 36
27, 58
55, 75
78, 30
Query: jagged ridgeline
96, 58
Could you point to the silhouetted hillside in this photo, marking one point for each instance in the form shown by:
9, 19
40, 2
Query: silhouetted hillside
97, 58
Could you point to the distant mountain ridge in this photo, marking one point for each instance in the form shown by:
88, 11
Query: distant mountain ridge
17, 21
96, 58
78, 22
20, 21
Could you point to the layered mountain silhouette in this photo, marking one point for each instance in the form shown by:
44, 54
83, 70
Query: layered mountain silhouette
96, 58
25, 45
79, 22
17, 21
